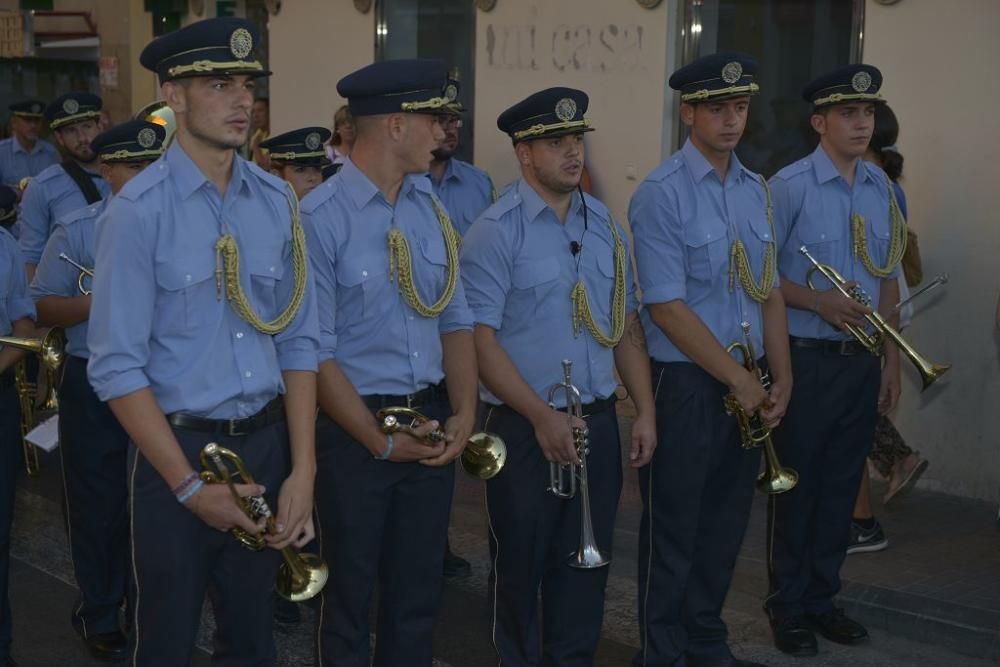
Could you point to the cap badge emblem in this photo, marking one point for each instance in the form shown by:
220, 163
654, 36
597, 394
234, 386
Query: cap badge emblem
241, 43
732, 72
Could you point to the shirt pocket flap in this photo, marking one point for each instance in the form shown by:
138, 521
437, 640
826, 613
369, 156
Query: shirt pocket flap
704, 231
354, 270
535, 273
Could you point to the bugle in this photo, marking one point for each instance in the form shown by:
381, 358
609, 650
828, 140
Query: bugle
84, 273
880, 329
563, 477
753, 431
302, 575
483, 457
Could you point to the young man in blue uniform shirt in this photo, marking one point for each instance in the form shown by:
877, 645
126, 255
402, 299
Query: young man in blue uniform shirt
395, 332
65, 187
464, 189
843, 211
203, 329
548, 278
298, 157
705, 252
23, 154
93, 447
17, 313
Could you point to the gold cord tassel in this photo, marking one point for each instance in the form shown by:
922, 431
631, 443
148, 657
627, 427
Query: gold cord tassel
227, 275
739, 262
582, 314
401, 266
897, 239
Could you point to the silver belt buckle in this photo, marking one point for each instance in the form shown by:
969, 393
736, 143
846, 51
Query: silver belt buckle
233, 430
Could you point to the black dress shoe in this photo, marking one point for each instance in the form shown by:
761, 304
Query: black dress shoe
793, 636
107, 646
455, 566
836, 627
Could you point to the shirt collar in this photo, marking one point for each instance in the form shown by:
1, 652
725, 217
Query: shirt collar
700, 167
190, 178
361, 190
533, 204
827, 171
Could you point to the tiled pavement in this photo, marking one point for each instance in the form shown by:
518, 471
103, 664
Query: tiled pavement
939, 583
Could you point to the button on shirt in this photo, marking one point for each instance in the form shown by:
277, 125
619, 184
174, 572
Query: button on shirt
51, 195
73, 236
378, 340
157, 317
813, 206
684, 223
15, 302
466, 191
519, 273
16, 162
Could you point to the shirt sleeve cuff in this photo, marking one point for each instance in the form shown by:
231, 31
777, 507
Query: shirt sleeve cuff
298, 356
21, 308
121, 384
663, 294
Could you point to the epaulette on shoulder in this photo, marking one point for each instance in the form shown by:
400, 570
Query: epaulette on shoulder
669, 166
144, 180
596, 206
49, 173
320, 194
502, 206
85, 213
794, 169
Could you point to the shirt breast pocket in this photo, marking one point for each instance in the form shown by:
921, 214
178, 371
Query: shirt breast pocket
361, 280
707, 248
265, 274
821, 239
533, 283
187, 296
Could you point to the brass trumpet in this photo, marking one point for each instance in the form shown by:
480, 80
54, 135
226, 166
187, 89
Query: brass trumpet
880, 328
302, 575
84, 273
753, 431
563, 478
483, 457
50, 351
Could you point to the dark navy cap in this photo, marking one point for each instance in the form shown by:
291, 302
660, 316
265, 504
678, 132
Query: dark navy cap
132, 141
73, 108
716, 77
552, 112
416, 85
8, 205
223, 45
304, 146
854, 83
27, 108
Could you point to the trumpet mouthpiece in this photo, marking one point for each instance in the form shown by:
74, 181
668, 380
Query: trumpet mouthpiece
211, 448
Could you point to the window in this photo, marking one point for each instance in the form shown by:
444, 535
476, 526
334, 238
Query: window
793, 41
444, 29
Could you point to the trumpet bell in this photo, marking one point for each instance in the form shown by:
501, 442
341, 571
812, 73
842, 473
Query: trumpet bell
588, 557
484, 456
779, 481
298, 589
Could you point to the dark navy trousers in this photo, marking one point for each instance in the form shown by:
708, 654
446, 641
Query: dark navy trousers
533, 534
385, 522
826, 435
177, 558
11, 462
697, 493
93, 448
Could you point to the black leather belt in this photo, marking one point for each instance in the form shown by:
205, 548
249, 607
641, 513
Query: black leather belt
272, 413
426, 396
845, 348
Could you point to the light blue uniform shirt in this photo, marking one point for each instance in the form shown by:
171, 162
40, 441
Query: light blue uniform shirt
157, 317
465, 190
813, 206
51, 195
380, 342
15, 302
16, 162
74, 236
519, 274
684, 223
